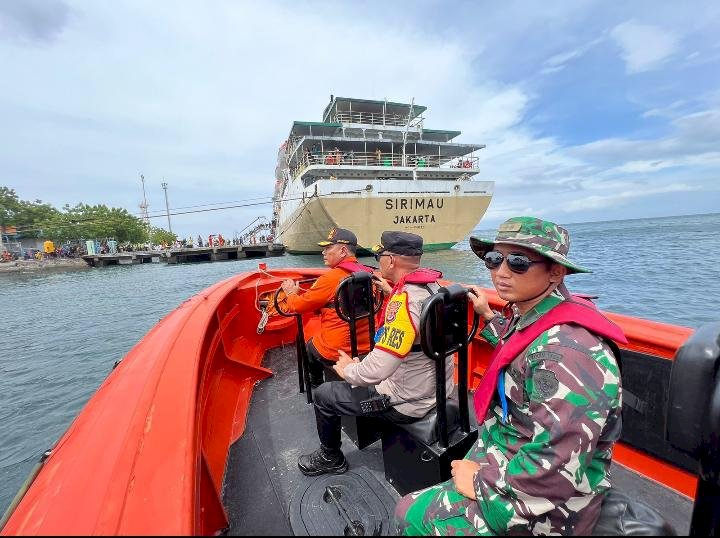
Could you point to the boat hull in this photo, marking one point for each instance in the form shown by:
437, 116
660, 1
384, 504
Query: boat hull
148, 454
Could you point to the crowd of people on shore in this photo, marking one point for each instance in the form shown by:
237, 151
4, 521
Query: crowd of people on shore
77, 249
219, 241
65, 251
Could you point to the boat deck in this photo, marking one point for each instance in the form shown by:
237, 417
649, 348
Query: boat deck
262, 473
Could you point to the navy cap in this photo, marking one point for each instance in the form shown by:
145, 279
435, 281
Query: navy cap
339, 235
400, 243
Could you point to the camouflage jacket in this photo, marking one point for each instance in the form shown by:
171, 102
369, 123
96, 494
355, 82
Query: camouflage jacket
544, 469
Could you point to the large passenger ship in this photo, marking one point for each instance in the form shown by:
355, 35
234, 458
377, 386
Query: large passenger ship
372, 166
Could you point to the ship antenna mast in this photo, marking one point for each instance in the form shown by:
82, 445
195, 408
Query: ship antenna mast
144, 205
405, 133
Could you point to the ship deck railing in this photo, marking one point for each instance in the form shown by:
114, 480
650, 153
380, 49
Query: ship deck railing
377, 118
377, 158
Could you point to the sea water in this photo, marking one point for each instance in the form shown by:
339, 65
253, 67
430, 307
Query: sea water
63, 331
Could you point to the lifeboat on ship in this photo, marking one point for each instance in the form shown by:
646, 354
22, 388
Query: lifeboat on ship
198, 430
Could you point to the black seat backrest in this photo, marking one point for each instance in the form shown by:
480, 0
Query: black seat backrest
355, 299
693, 420
692, 380
444, 331
692, 426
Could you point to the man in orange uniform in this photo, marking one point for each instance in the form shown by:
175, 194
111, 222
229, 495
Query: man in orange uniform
339, 254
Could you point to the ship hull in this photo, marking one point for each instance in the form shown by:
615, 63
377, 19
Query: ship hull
442, 219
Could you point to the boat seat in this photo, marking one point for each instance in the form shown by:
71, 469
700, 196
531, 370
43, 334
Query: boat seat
413, 457
418, 455
355, 300
426, 429
622, 516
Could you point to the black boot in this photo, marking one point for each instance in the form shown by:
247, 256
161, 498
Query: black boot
323, 461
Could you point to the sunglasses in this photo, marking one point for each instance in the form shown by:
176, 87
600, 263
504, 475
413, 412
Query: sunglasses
518, 263
378, 256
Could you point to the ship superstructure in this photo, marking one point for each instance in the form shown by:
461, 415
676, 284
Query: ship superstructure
371, 166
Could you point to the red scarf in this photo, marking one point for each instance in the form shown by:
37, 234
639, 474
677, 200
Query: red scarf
576, 310
354, 266
418, 276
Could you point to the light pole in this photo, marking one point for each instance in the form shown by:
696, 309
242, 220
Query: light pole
167, 207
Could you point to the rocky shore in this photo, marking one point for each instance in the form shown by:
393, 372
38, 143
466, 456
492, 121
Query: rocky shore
29, 266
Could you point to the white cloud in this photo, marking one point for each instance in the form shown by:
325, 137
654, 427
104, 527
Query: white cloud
693, 135
552, 69
559, 61
635, 167
32, 22
203, 97
668, 111
598, 201
644, 47
638, 167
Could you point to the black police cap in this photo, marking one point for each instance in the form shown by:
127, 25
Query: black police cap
339, 235
401, 243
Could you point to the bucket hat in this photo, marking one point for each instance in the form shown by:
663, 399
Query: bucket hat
542, 236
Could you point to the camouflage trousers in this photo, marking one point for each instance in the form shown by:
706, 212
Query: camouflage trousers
439, 511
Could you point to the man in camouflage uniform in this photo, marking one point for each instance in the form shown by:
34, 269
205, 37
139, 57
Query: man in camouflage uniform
541, 462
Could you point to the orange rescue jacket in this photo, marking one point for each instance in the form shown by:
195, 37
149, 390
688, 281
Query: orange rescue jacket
334, 333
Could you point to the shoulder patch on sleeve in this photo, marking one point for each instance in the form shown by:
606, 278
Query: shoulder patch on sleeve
545, 383
545, 356
399, 332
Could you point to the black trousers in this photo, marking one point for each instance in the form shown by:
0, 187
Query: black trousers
338, 398
318, 365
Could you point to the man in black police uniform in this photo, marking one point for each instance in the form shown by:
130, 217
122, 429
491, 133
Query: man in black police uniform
396, 367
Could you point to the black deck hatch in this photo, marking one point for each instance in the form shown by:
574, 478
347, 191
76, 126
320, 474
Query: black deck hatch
351, 504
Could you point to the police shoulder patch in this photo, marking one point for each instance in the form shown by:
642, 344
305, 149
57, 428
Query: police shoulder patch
545, 382
545, 356
399, 331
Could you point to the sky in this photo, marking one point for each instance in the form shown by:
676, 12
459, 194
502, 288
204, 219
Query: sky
589, 110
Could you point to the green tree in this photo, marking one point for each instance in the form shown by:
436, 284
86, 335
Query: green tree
9, 204
160, 236
82, 221
95, 222
25, 216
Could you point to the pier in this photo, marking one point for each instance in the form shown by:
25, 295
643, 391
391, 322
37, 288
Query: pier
213, 254
187, 255
122, 258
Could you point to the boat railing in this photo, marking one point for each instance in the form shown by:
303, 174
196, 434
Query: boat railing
378, 158
377, 118
292, 144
